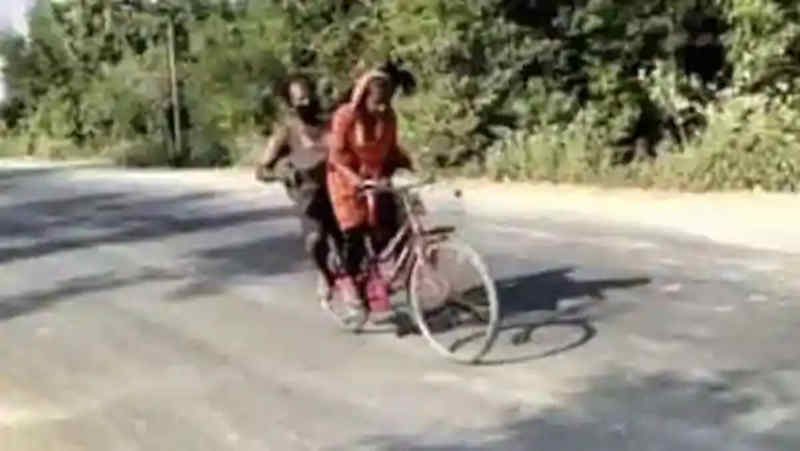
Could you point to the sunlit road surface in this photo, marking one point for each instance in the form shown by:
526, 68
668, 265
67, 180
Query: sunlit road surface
164, 311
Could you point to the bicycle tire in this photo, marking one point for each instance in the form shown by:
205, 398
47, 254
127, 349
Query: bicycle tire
419, 311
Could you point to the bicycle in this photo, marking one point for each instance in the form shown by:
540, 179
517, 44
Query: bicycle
413, 261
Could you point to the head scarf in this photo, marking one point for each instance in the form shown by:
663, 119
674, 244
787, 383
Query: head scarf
360, 90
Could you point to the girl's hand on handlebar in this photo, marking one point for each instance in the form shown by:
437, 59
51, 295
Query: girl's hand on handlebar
373, 184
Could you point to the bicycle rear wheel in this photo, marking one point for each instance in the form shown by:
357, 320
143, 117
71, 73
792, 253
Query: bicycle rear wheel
454, 301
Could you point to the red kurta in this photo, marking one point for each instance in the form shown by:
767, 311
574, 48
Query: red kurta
366, 151
368, 159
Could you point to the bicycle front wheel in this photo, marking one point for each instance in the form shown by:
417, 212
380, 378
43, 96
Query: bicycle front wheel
454, 301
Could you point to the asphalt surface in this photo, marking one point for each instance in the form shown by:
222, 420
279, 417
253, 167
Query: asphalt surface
155, 311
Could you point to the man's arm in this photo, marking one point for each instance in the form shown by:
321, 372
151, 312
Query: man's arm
277, 148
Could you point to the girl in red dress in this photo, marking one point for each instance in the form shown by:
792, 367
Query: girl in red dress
363, 148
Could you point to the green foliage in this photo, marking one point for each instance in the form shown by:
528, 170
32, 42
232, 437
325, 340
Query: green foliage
750, 143
692, 94
95, 73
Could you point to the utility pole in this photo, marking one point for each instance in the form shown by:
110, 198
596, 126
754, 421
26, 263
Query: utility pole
176, 115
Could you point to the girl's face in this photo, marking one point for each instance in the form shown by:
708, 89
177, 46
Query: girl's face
378, 97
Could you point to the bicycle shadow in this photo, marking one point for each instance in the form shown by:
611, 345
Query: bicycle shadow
533, 304
543, 296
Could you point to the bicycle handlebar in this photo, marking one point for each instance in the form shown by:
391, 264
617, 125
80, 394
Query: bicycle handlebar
395, 189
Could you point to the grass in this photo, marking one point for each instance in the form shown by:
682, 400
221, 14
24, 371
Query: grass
746, 145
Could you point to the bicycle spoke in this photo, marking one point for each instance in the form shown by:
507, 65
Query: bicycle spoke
462, 323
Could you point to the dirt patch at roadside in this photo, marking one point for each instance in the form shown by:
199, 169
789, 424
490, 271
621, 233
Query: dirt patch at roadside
757, 220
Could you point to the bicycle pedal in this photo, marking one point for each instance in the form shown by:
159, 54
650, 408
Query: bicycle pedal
404, 330
404, 325
384, 317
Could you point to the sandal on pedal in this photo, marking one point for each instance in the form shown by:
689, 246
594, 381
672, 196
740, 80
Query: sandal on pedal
382, 317
355, 312
324, 290
324, 294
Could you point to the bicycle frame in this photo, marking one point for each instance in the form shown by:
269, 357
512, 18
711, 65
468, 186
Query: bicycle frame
403, 265
413, 247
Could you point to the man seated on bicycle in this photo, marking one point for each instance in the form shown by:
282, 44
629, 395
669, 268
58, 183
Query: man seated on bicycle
298, 147
363, 151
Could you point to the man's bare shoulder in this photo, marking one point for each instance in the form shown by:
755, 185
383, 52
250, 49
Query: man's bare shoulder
281, 127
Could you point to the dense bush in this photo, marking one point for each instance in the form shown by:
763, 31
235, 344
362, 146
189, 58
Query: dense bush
690, 94
95, 73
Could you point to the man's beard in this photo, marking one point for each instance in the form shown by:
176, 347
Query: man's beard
307, 113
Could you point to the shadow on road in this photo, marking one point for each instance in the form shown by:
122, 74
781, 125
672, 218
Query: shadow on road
112, 218
626, 410
20, 173
36, 218
12, 307
81, 221
13, 174
267, 256
277, 254
532, 305
545, 292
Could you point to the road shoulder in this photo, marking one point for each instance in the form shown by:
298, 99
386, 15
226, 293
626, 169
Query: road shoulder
766, 221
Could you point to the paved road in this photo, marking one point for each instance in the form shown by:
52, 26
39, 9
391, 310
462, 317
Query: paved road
153, 311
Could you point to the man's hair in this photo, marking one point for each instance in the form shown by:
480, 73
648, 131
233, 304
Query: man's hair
284, 85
